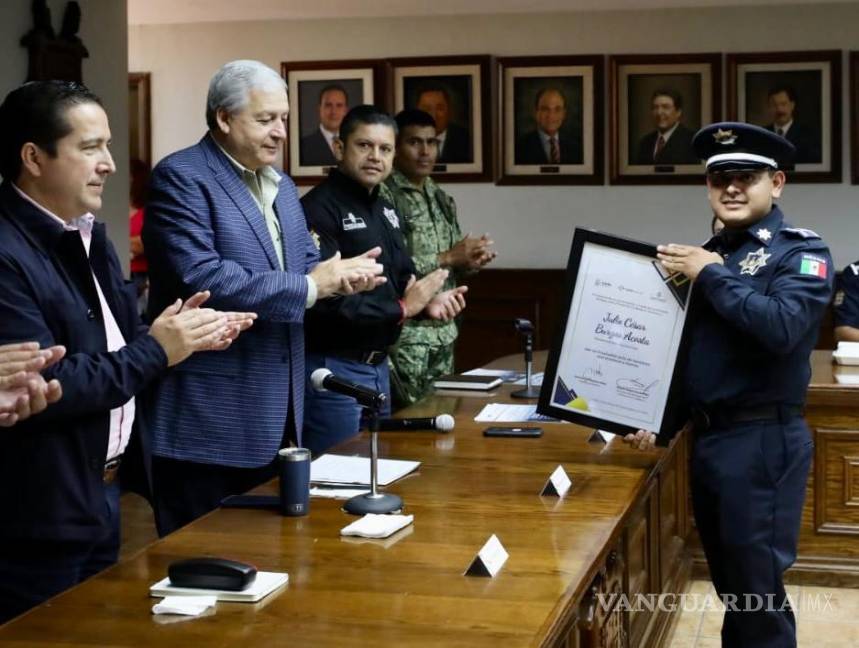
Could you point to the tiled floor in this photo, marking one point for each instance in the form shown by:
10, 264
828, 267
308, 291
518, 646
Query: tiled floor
826, 617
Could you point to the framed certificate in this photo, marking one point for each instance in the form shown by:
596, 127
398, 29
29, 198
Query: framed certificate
614, 362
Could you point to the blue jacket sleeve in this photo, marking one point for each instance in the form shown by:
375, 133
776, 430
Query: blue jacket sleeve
180, 231
781, 318
91, 382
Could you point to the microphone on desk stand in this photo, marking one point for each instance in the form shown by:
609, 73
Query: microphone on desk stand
372, 401
526, 328
441, 422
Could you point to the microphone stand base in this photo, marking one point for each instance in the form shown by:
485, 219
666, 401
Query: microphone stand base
369, 503
529, 392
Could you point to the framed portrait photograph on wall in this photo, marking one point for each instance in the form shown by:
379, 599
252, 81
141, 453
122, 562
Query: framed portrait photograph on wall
658, 102
320, 95
551, 120
796, 94
854, 116
456, 92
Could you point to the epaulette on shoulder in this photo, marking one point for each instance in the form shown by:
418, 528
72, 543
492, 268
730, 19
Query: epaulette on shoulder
801, 232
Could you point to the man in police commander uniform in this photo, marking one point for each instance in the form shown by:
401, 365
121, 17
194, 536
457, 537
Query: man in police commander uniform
434, 240
350, 335
761, 287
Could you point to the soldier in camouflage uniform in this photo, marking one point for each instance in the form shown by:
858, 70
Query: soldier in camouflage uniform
428, 219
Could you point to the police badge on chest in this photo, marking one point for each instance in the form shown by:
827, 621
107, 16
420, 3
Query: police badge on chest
754, 261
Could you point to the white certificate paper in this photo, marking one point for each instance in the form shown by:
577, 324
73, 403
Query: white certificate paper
623, 332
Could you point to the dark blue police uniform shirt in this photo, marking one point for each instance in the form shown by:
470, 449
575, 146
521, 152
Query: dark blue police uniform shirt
755, 319
348, 219
847, 299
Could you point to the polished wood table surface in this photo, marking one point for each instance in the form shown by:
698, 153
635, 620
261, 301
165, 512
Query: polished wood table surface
408, 590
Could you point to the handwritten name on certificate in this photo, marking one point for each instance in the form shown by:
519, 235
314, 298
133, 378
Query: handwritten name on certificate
622, 337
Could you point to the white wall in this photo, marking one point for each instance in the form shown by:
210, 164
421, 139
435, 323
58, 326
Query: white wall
531, 225
104, 32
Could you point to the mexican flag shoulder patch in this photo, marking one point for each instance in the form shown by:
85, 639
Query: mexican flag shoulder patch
813, 265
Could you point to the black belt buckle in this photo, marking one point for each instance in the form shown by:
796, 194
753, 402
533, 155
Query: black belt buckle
111, 470
373, 357
700, 420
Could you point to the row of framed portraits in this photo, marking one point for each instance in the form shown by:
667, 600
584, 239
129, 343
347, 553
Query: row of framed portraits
548, 126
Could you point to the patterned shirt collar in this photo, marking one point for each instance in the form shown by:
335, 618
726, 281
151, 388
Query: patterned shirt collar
266, 171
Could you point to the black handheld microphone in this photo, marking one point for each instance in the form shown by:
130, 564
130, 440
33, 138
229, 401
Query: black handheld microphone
442, 423
322, 379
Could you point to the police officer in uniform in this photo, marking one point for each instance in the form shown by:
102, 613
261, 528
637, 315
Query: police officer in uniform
350, 335
847, 305
761, 287
434, 240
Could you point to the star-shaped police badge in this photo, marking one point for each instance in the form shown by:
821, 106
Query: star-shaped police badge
725, 137
754, 261
764, 234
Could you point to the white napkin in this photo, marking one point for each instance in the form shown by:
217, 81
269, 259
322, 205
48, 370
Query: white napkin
336, 493
187, 605
377, 525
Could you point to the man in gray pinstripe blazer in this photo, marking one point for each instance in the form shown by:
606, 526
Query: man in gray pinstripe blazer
221, 218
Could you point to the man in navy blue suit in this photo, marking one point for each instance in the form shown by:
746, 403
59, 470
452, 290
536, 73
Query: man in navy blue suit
550, 142
671, 142
220, 218
454, 141
61, 285
317, 149
781, 104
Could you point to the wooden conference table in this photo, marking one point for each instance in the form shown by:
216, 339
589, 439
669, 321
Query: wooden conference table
621, 528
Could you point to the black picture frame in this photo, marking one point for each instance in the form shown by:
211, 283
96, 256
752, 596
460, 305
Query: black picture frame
677, 287
363, 81
577, 81
814, 80
464, 85
693, 82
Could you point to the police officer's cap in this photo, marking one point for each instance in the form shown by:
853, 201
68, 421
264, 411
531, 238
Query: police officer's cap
735, 145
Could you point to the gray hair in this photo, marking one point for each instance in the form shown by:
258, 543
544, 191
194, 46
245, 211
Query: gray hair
231, 85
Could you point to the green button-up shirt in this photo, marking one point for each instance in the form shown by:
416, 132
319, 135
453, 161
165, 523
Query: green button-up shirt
263, 185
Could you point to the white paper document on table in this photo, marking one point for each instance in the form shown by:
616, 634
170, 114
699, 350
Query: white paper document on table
536, 380
507, 413
339, 469
506, 375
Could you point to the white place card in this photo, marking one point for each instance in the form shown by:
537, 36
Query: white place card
601, 436
489, 560
558, 483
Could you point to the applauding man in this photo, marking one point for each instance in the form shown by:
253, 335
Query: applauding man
61, 285
351, 335
434, 240
23, 390
221, 218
